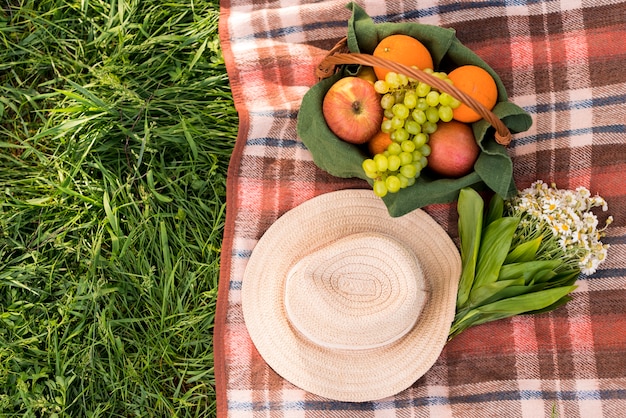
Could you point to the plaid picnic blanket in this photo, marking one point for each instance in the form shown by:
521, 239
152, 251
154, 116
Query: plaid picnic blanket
563, 62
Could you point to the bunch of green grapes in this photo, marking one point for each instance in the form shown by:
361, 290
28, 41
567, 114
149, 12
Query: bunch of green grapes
398, 166
412, 110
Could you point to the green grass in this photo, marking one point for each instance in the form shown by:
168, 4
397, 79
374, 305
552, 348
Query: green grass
116, 126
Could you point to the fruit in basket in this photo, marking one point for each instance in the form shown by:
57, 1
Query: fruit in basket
412, 106
397, 166
352, 111
402, 49
367, 73
453, 149
413, 110
477, 83
379, 143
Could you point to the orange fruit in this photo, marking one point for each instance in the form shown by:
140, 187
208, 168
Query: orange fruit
379, 143
477, 83
402, 49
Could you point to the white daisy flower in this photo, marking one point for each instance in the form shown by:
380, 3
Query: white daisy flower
566, 216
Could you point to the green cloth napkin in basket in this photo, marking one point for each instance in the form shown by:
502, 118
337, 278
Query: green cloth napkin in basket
493, 169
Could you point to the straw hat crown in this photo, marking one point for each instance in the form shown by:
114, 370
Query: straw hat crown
363, 291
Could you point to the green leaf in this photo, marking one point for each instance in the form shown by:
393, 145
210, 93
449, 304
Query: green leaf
470, 208
513, 291
552, 307
525, 251
152, 186
111, 214
198, 54
542, 276
525, 303
496, 209
65, 128
84, 96
527, 270
492, 292
192, 143
495, 244
564, 278
506, 308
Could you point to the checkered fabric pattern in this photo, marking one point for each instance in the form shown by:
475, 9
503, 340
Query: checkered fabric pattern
561, 60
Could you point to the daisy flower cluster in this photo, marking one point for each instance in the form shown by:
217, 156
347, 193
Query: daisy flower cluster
565, 220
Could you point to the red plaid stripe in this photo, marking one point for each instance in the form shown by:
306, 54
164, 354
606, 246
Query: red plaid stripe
563, 61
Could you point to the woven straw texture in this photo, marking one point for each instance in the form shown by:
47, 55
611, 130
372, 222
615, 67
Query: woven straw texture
322, 228
363, 291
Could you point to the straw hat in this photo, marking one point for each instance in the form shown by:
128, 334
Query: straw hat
348, 303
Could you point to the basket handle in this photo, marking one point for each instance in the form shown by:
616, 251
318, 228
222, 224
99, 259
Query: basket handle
502, 134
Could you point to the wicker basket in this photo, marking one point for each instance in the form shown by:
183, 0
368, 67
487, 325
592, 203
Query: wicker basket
493, 169
328, 67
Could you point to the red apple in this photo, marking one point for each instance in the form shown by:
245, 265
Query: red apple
453, 149
352, 110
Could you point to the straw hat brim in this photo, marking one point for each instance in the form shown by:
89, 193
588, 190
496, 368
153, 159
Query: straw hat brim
348, 375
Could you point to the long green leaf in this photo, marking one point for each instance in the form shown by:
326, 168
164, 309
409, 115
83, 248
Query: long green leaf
513, 291
470, 208
543, 276
57, 131
495, 210
490, 292
564, 278
494, 247
526, 251
527, 303
91, 101
552, 307
526, 270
